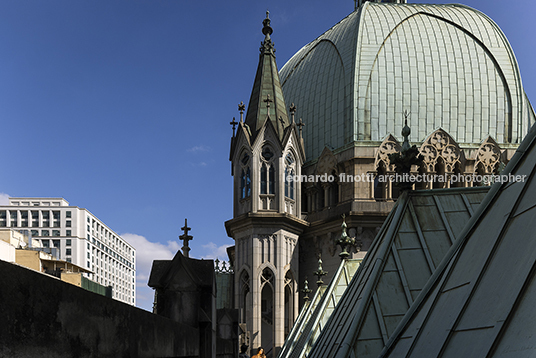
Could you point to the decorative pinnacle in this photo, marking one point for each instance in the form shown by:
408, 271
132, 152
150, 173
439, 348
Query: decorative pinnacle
306, 290
344, 241
185, 238
267, 30
292, 111
241, 109
320, 272
267, 47
408, 156
406, 131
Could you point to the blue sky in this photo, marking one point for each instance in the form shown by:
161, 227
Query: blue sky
123, 107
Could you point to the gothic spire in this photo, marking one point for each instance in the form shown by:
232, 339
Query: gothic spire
185, 238
267, 86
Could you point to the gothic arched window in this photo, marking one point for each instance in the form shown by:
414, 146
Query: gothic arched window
289, 302
380, 185
267, 172
439, 181
245, 177
267, 307
267, 179
289, 173
244, 291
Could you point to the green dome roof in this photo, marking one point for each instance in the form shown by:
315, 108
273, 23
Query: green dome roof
450, 66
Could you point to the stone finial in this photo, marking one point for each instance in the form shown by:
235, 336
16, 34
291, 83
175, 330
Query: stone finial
344, 241
320, 272
408, 156
241, 109
292, 111
306, 290
406, 131
266, 29
185, 238
267, 47
217, 265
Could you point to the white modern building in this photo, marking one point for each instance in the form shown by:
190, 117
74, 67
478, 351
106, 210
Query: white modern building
80, 237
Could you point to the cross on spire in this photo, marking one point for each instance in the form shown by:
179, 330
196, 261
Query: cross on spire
300, 125
185, 238
233, 123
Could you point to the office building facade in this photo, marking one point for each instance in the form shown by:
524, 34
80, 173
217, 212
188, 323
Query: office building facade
80, 237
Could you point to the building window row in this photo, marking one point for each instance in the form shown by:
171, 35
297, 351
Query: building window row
38, 218
49, 233
112, 253
109, 239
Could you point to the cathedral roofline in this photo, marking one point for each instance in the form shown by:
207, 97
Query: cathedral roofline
266, 101
486, 248
401, 233
198, 270
362, 102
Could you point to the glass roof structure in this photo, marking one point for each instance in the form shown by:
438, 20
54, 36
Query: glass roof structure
411, 245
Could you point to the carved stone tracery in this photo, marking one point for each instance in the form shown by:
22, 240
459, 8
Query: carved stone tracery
389, 145
488, 156
327, 162
441, 145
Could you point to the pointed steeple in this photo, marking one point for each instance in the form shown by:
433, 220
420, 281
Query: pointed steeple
267, 87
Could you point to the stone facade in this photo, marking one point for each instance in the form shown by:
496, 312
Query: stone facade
367, 203
449, 66
267, 209
185, 292
448, 69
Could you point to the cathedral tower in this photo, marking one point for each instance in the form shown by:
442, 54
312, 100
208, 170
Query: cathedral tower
266, 151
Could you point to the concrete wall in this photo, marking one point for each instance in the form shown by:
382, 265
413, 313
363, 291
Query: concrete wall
74, 278
29, 258
7, 251
44, 317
